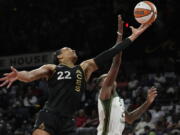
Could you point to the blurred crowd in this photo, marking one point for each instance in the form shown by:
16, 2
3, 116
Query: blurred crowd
20, 104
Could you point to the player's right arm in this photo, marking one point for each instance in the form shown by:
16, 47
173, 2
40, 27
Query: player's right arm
91, 65
108, 84
27, 76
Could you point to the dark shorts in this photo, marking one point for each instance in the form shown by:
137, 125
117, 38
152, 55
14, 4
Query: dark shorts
54, 124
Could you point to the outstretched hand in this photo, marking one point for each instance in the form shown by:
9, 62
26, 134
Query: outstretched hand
9, 78
136, 32
152, 93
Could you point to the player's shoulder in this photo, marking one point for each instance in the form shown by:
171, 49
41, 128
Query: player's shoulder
90, 63
49, 66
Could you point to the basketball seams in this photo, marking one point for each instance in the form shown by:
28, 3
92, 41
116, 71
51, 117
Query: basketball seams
153, 10
145, 18
143, 5
151, 5
145, 10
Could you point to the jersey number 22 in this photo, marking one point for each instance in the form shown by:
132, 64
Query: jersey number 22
64, 75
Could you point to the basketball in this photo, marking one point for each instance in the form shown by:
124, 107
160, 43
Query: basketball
145, 12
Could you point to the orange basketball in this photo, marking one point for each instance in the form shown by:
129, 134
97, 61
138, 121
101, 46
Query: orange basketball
145, 12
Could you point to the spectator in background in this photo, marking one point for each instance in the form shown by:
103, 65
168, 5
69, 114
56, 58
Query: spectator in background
30, 99
3, 128
93, 120
80, 118
157, 114
145, 122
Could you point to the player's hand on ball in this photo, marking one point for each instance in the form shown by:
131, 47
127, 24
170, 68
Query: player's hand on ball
138, 31
152, 93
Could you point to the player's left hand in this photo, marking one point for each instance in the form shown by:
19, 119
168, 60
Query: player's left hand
152, 93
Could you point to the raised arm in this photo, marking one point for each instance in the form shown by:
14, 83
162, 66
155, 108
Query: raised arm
134, 115
120, 30
91, 65
110, 53
27, 76
108, 84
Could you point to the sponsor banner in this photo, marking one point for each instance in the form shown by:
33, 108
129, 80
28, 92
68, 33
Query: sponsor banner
25, 60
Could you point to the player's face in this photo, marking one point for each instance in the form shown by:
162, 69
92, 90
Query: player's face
67, 52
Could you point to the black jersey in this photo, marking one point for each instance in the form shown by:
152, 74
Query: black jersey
65, 90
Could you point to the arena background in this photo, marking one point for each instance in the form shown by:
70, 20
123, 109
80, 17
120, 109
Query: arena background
30, 30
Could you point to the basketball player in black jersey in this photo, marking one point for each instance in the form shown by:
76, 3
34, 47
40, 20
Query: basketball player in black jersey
66, 82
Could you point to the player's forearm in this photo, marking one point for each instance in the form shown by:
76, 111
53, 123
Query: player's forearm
119, 38
113, 72
112, 75
134, 115
24, 76
115, 66
117, 59
107, 55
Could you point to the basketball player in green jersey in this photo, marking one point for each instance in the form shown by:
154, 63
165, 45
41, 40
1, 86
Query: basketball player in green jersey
66, 83
112, 114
